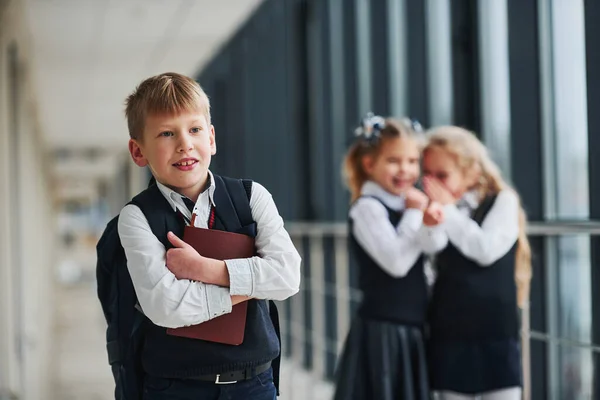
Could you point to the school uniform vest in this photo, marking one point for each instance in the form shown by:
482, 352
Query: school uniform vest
401, 300
473, 302
175, 357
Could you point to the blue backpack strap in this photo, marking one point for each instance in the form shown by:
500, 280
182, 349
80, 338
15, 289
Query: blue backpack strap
232, 199
276, 363
245, 213
117, 297
248, 188
159, 213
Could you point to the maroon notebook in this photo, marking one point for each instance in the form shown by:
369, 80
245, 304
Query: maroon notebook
221, 245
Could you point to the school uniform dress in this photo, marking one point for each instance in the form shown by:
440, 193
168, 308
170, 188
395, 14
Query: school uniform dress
473, 316
183, 368
384, 355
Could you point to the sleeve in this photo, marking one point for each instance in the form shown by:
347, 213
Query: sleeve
395, 250
275, 272
498, 232
164, 299
432, 239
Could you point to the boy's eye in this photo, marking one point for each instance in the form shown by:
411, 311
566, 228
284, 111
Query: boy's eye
195, 130
166, 133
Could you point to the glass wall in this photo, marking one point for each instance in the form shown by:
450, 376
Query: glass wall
567, 196
522, 74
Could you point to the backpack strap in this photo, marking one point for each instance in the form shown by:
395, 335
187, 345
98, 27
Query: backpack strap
232, 197
248, 188
239, 193
276, 363
241, 198
153, 205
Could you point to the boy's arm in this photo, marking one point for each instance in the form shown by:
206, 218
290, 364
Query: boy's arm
275, 273
167, 301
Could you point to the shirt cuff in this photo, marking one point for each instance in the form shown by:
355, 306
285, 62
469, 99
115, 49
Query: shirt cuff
241, 280
429, 231
411, 222
453, 224
218, 301
433, 239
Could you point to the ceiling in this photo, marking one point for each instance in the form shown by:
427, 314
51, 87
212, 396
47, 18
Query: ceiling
88, 55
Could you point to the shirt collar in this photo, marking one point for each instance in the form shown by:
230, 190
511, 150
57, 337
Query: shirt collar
175, 198
370, 188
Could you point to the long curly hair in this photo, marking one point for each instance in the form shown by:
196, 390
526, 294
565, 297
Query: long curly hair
471, 154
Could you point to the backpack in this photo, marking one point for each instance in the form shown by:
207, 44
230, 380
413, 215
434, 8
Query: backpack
125, 322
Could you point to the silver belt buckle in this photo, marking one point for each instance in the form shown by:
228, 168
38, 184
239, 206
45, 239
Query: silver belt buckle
218, 381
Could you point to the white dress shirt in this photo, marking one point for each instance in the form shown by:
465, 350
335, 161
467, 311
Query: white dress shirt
394, 248
171, 302
497, 234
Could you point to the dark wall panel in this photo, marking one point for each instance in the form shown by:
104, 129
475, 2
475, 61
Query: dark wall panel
417, 61
526, 136
465, 64
380, 58
257, 87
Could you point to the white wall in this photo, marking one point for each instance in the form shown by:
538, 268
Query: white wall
27, 233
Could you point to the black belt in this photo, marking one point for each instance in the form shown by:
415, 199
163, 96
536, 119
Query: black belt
234, 376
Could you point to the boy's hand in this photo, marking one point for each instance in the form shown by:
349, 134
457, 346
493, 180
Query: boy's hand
186, 263
183, 260
416, 199
433, 215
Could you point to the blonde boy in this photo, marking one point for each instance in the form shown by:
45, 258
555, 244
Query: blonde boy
169, 122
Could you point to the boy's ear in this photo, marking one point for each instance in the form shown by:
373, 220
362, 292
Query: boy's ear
213, 142
136, 153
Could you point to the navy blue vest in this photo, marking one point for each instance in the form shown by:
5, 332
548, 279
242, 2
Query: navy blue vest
401, 300
175, 357
474, 302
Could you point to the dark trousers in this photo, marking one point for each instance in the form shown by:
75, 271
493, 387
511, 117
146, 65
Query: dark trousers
260, 387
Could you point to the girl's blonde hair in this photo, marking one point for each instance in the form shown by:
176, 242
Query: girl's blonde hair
472, 155
353, 170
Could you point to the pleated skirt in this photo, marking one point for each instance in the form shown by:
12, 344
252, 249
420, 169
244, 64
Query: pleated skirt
384, 361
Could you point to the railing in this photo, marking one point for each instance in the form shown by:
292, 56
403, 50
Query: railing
315, 321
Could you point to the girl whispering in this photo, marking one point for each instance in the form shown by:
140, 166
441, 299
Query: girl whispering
384, 356
483, 273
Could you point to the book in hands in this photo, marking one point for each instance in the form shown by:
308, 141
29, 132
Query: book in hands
220, 245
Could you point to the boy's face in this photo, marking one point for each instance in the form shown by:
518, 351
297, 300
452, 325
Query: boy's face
177, 149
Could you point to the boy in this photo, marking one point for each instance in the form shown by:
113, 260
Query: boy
169, 123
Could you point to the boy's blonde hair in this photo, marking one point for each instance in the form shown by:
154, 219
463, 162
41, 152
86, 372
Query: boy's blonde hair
169, 93
471, 155
353, 170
